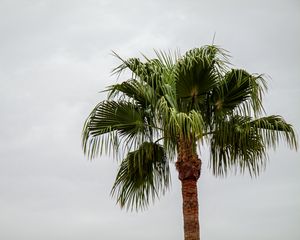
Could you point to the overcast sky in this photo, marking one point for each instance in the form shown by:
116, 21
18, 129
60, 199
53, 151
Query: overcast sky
55, 58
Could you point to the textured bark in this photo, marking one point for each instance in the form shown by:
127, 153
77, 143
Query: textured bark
189, 166
190, 210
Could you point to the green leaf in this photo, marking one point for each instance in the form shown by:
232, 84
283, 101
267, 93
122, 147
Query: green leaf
196, 74
136, 91
273, 129
142, 176
236, 145
239, 90
240, 142
119, 119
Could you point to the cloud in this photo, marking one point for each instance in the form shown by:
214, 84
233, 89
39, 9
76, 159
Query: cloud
56, 57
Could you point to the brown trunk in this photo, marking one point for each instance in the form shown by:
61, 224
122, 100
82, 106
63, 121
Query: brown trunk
190, 210
189, 166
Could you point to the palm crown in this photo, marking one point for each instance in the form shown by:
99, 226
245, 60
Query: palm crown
172, 100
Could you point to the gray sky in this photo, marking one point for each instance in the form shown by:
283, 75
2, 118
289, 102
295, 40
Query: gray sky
55, 56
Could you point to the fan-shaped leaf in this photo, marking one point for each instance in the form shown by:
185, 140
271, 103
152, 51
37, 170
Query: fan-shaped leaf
143, 174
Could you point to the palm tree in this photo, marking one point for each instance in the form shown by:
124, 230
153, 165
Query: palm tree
170, 107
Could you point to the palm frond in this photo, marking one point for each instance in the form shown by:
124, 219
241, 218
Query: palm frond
196, 73
137, 91
239, 91
133, 64
184, 125
235, 145
142, 176
151, 71
163, 109
117, 120
273, 129
240, 142
168, 59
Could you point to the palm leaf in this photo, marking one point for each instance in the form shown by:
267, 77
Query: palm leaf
238, 146
240, 142
116, 119
195, 75
142, 176
134, 90
184, 125
239, 90
151, 72
273, 129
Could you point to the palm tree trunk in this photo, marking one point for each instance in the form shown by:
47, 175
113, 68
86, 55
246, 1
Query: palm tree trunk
190, 210
188, 166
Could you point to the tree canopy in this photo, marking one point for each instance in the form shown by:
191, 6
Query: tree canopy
196, 97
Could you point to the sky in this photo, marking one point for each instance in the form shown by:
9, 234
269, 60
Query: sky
55, 59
